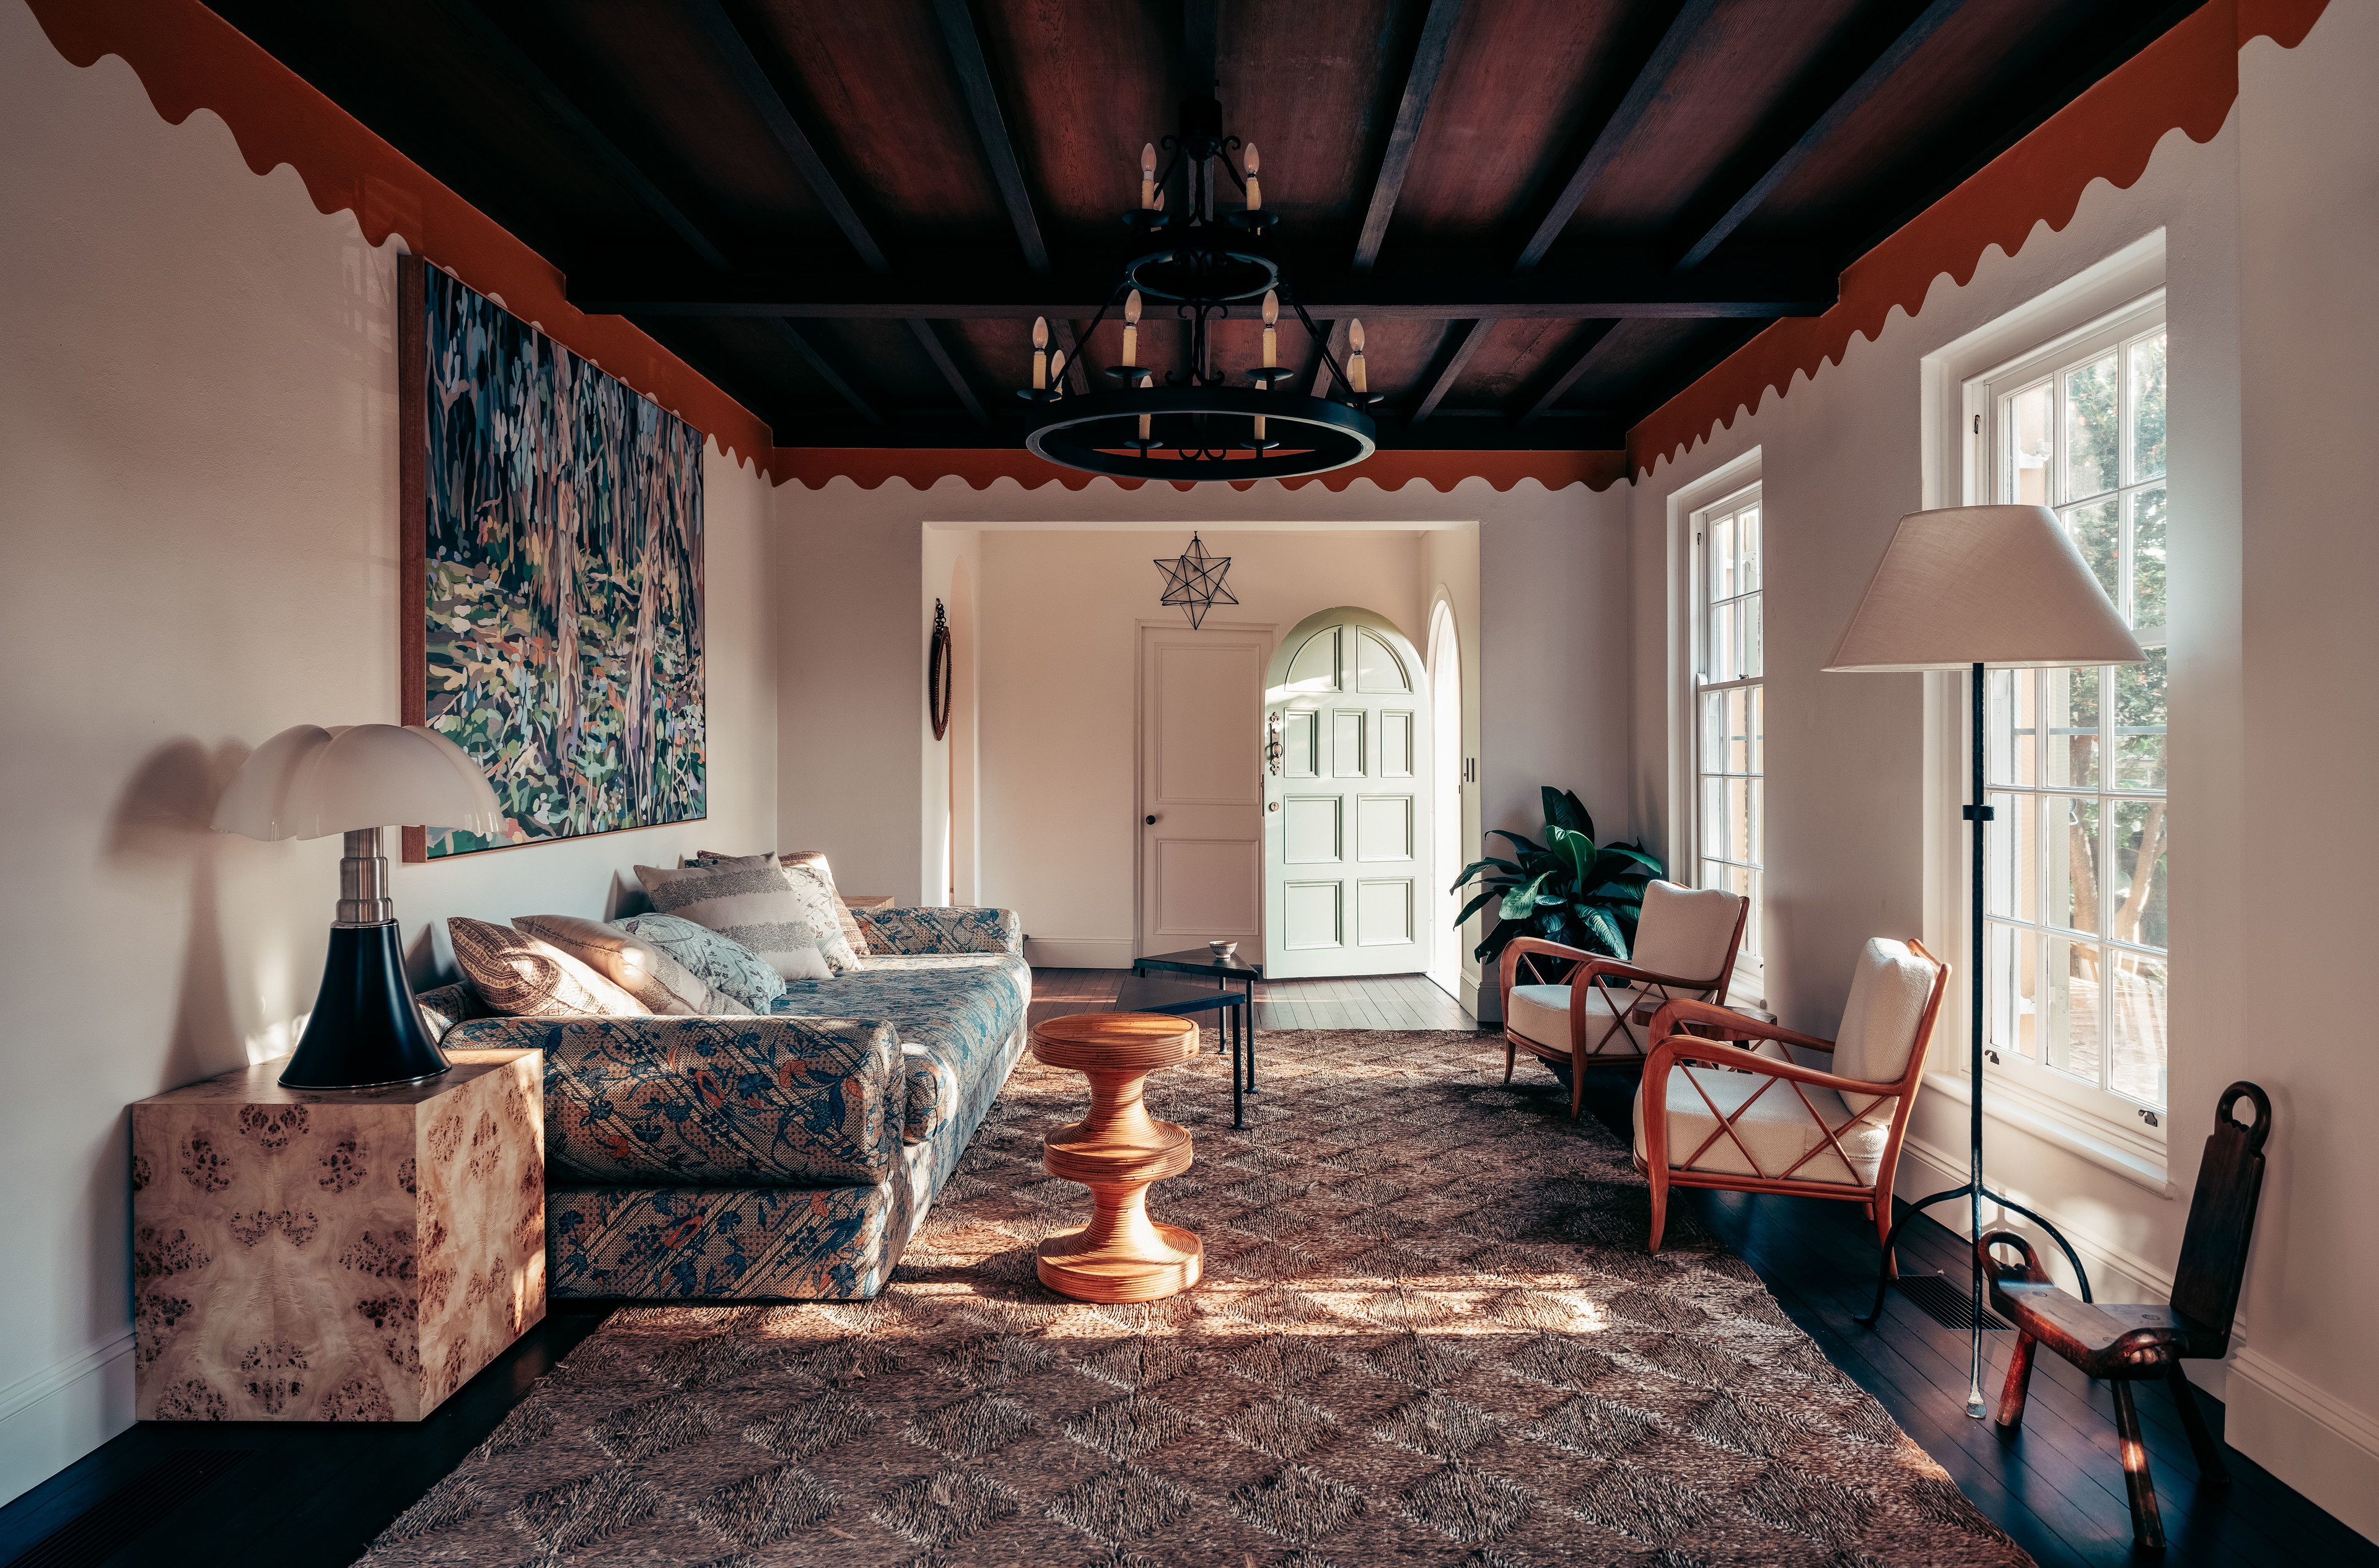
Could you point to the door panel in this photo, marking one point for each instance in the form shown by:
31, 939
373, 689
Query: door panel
1346, 695
1383, 827
1201, 779
1311, 830
1312, 915
1384, 912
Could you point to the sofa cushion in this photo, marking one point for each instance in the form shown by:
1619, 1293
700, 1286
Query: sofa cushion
1541, 1013
752, 903
933, 1090
640, 967
1777, 1129
516, 974
728, 968
1880, 1021
961, 1010
943, 928
722, 1102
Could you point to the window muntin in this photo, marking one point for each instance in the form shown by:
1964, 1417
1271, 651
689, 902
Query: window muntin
1729, 766
2076, 888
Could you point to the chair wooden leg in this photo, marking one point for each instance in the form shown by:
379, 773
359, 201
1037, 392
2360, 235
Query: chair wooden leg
1659, 1208
2019, 1383
2147, 1526
1576, 1081
1511, 1053
2201, 1441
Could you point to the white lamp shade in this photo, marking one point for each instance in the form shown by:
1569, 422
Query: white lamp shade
308, 782
2001, 586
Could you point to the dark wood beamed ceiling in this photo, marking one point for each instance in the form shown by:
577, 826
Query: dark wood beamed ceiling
1551, 214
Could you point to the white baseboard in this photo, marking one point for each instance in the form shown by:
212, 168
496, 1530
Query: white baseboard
2324, 1447
1078, 952
50, 1419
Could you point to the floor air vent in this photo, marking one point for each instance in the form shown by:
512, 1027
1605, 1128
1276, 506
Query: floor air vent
1946, 1301
114, 1522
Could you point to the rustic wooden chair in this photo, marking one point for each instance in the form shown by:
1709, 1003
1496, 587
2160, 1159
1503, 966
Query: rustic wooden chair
1685, 947
2127, 1344
1738, 1113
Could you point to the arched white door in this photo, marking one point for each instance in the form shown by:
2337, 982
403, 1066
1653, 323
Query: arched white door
1346, 800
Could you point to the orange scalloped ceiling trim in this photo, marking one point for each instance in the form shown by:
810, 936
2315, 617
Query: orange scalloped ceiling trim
2185, 80
188, 58
869, 467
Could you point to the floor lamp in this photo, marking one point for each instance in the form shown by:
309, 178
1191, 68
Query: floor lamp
1977, 588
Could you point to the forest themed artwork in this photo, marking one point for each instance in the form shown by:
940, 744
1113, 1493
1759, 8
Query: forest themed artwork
553, 566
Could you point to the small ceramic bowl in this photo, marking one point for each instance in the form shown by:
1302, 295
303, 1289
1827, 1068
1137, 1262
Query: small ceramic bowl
1222, 950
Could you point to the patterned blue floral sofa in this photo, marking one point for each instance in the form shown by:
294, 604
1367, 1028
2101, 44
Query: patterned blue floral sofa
788, 1156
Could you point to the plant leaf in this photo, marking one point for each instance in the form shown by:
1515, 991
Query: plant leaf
1606, 930
1527, 846
1521, 902
1562, 809
1576, 854
1475, 867
1474, 905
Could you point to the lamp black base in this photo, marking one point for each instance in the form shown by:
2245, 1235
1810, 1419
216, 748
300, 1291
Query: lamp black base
367, 1031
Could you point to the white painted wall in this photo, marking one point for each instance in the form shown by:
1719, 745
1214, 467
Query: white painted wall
1549, 619
198, 490
2275, 365
1449, 572
1061, 619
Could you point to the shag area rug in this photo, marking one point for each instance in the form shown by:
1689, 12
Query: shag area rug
1428, 1334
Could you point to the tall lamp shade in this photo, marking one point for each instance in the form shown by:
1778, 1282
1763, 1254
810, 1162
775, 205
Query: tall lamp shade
2001, 586
1977, 588
308, 782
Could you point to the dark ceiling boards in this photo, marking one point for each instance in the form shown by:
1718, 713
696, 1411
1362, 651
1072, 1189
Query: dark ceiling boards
1552, 215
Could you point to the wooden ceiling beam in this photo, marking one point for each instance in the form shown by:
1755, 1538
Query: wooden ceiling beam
991, 126
1643, 92
1420, 81
1078, 370
1582, 359
640, 283
767, 100
1472, 333
794, 338
930, 340
491, 39
1316, 374
1775, 162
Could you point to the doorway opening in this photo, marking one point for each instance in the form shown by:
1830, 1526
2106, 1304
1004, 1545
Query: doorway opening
1445, 775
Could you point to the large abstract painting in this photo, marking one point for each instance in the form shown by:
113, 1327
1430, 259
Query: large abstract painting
553, 613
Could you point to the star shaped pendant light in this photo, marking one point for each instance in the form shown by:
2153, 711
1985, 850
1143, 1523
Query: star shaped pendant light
1194, 580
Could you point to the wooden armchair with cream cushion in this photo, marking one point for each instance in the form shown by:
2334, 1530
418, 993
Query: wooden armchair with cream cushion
1686, 946
1739, 1114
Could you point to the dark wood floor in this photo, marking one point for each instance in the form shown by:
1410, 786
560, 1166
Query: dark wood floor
314, 1496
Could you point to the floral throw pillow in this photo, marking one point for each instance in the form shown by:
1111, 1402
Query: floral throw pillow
726, 967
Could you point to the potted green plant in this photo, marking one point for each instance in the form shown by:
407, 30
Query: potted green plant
1568, 890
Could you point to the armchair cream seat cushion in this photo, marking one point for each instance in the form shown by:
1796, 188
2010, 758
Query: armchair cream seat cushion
1541, 1013
1778, 1128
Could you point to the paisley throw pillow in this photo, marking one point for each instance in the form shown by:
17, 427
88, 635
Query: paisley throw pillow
520, 976
726, 967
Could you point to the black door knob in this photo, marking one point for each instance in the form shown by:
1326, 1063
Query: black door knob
1151, 821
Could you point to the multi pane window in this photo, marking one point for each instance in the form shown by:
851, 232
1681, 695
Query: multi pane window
2075, 891
1727, 751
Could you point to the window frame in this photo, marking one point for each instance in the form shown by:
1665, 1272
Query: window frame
1749, 984
2097, 1109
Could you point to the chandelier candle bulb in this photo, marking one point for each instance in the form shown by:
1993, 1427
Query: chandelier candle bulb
1040, 354
1148, 176
1131, 330
1058, 371
1357, 380
1255, 188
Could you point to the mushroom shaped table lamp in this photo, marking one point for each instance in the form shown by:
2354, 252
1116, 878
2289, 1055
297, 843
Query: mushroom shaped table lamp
308, 782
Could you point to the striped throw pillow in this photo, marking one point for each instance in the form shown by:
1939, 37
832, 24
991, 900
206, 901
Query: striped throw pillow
753, 904
634, 965
522, 977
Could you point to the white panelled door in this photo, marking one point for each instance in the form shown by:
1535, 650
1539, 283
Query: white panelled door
1200, 789
1346, 800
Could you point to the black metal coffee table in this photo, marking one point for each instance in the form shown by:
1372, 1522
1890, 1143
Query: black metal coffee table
1144, 994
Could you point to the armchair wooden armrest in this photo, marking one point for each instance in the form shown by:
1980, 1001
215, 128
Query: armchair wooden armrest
1591, 965
1680, 1049
1736, 1024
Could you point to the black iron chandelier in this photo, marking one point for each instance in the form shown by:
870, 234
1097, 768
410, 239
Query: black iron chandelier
1203, 263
